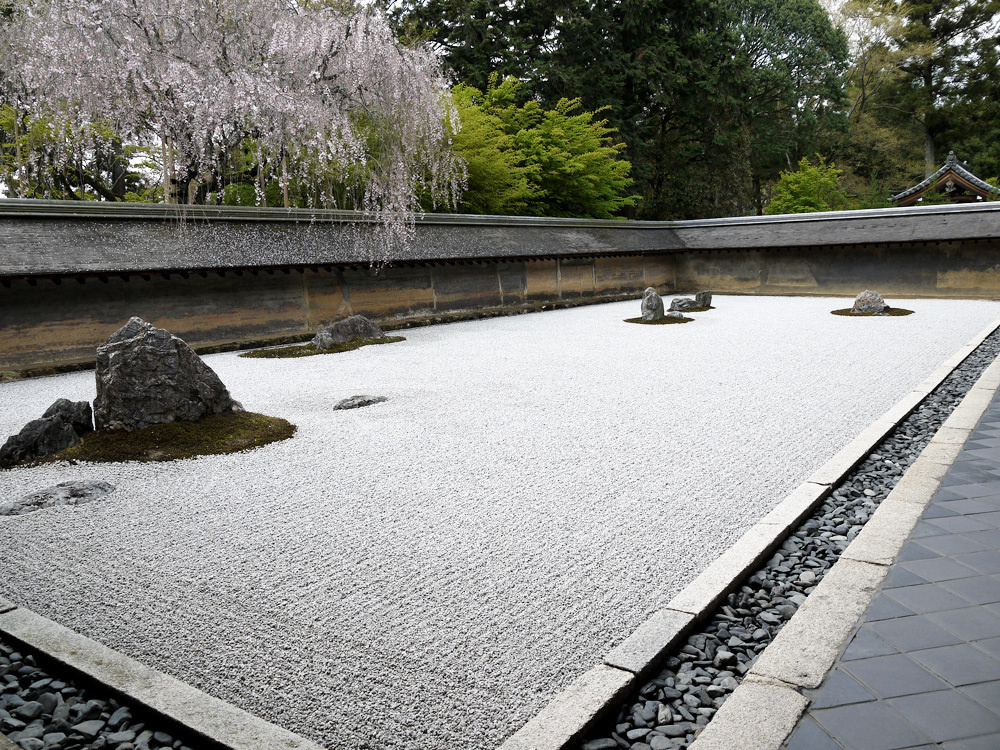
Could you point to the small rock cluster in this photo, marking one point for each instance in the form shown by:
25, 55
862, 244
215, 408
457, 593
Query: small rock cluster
670, 710
701, 299
62, 426
38, 712
353, 327
145, 376
652, 305
869, 302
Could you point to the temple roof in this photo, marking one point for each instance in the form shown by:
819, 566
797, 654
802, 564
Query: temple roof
953, 165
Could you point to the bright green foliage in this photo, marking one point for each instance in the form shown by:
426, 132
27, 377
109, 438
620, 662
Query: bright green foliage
497, 177
534, 161
812, 188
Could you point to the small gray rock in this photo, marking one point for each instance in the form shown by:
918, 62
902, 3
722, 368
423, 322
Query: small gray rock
674, 314
652, 305
89, 729
869, 302
604, 743
356, 402
353, 327
28, 711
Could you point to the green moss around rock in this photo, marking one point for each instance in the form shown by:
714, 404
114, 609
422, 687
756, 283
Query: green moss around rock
699, 309
308, 350
661, 322
891, 312
213, 435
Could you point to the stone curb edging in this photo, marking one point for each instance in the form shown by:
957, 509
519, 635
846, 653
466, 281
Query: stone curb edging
807, 647
205, 716
568, 716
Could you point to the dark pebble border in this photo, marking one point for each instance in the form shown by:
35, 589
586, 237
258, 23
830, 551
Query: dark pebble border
671, 709
39, 712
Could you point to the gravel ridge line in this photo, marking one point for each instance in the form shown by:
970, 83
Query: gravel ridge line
671, 709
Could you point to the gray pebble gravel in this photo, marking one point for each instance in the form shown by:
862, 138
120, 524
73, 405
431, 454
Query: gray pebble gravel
42, 712
696, 680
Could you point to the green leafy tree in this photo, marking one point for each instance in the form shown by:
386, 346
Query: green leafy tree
530, 160
813, 187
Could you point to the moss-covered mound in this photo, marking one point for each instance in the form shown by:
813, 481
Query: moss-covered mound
892, 311
215, 434
699, 309
660, 322
308, 350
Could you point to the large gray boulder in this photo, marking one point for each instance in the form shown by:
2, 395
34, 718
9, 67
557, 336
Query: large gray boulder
60, 427
147, 376
869, 302
652, 305
703, 299
354, 327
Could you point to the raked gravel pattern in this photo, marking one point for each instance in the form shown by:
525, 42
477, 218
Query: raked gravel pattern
429, 571
671, 709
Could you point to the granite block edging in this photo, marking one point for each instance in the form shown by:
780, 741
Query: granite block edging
205, 716
641, 651
808, 646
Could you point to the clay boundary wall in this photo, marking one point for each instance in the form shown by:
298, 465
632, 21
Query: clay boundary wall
227, 278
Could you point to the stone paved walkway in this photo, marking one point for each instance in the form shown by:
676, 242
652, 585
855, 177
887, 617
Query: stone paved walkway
923, 668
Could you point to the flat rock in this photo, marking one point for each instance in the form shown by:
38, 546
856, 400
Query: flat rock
65, 493
356, 402
652, 305
682, 303
353, 327
147, 376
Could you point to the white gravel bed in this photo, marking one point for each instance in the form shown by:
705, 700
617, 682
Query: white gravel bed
428, 572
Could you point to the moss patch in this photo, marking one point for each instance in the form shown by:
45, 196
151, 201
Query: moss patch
308, 350
212, 435
891, 312
699, 309
660, 322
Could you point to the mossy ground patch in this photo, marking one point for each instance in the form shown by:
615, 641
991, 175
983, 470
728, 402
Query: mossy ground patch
212, 435
308, 350
660, 322
891, 312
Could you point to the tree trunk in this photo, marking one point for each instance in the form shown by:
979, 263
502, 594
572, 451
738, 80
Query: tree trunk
930, 163
284, 179
758, 199
118, 170
17, 154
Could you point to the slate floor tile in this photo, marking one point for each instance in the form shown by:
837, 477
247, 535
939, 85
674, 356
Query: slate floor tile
866, 644
809, 736
984, 742
990, 645
987, 561
970, 624
959, 665
985, 694
840, 689
978, 489
925, 528
939, 569
869, 726
989, 539
938, 509
991, 517
946, 715
944, 495
916, 551
913, 633
979, 590
900, 576
883, 608
960, 524
967, 506
929, 597
950, 544
894, 675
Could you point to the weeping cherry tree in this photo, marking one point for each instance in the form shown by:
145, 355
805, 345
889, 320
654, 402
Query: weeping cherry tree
323, 91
